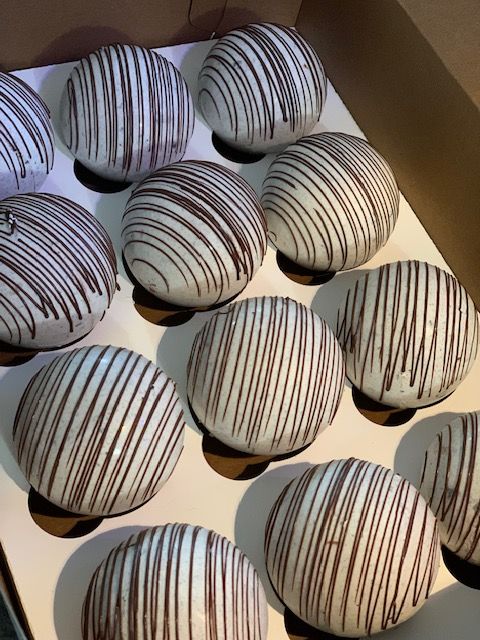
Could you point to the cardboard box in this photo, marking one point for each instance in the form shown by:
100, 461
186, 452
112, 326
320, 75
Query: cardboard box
412, 89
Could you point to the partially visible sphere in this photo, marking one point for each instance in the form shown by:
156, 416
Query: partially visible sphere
126, 111
58, 271
331, 202
175, 581
352, 548
451, 485
99, 430
194, 233
262, 87
409, 331
26, 138
265, 375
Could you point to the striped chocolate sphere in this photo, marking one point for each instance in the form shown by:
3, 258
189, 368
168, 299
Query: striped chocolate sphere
265, 375
261, 87
451, 485
194, 233
331, 202
26, 138
98, 430
126, 111
352, 548
409, 332
175, 581
57, 271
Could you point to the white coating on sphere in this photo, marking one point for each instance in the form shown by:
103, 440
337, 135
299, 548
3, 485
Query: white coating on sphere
409, 331
451, 485
175, 581
331, 202
26, 138
58, 271
194, 233
99, 430
126, 111
262, 87
352, 548
265, 375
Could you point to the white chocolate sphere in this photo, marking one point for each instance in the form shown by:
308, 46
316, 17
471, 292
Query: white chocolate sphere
126, 111
194, 233
175, 581
352, 548
331, 202
409, 331
58, 271
451, 485
262, 87
99, 430
26, 138
265, 375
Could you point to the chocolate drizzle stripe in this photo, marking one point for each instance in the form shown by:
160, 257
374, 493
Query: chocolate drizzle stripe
265, 372
99, 430
26, 133
175, 582
261, 74
351, 547
129, 108
451, 485
57, 264
410, 326
333, 198
199, 220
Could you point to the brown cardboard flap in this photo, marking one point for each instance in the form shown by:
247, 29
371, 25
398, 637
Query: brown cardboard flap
35, 33
413, 109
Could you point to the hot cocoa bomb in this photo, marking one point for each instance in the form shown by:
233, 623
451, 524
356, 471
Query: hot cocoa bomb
58, 271
409, 331
99, 430
175, 581
352, 548
265, 376
262, 87
331, 202
26, 138
126, 111
194, 233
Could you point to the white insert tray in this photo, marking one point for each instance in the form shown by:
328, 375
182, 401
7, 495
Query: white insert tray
52, 574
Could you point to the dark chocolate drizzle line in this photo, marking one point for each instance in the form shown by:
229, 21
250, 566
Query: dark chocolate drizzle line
139, 123
202, 199
25, 128
71, 409
354, 194
256, 83
391, 564
403, 334
235, 379
175, 582
450, 481
59, 259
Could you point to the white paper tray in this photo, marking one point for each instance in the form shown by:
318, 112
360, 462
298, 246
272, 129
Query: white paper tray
52, 574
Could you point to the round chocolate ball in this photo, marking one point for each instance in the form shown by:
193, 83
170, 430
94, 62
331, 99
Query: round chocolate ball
262, 87
99, 430
409, 331
265, 375
58, 271
26, 138
126, 111
194, 233
352, 548
451, 485
331, 202
175, 581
